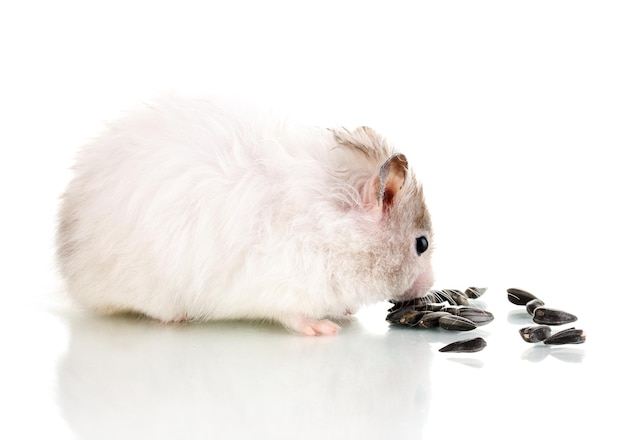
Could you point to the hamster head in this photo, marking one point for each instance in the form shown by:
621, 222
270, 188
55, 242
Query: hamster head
396, 261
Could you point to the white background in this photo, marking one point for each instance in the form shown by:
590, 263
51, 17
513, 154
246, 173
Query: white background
513, 114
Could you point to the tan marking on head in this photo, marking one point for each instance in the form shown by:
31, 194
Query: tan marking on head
422, 221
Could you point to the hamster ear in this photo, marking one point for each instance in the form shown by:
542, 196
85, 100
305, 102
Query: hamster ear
385, 186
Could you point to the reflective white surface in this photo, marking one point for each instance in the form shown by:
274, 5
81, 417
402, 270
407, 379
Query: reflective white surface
512, 115
75, 375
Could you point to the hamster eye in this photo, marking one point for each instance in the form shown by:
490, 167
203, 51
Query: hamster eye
421, 244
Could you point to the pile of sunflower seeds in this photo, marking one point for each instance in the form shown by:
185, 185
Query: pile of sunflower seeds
545, 317
452, 309
449, 309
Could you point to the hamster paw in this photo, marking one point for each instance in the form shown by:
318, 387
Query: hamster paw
313, 327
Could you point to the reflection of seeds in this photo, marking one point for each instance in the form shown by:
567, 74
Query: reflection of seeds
533, 304
475, 292
535, 333
465, 346
567, 354
569, 336
477, 316
459, 323
519, 297
548, 316
536, 353
430, 320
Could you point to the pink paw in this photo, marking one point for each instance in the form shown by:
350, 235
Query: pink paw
312, 327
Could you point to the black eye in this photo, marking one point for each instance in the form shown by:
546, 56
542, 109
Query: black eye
421, 244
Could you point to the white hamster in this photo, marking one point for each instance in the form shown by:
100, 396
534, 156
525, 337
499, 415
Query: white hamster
199, 209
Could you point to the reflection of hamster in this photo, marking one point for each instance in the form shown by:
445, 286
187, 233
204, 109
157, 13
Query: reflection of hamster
123, 378
199, 210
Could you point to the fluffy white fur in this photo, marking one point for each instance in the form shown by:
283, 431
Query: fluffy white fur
192, 209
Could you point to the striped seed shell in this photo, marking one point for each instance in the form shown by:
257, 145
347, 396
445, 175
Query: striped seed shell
430, 307
569, 336
535, 333
453, 310
394, 307
452, 322
409, 303
458, 297
404, 316
476, 315
548, 316
465, 346
475, 292
442, 296
519, 297
533, 304
431, 319
411, 318
430, 297
395, 314
414, 305
452, 296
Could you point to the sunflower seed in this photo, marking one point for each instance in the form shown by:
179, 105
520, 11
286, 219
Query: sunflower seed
443, 296
395, 306
458, 297
465, 346
519, 297
459, 323
533, 304
415, 302
400, 309
548, 316
426, 299
431, 307
395, 314
535, 333
569, 336
453, 310
408, 317
475, 292
412, 317
477, 316
431, 319
451, 296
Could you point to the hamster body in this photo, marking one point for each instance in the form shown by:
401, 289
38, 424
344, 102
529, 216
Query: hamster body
195, 209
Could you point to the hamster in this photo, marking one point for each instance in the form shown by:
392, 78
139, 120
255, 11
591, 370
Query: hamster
200, 209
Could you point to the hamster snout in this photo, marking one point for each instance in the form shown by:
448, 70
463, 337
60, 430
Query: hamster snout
420, 287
